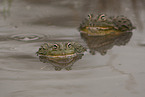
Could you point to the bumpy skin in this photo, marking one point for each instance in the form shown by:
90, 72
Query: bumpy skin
61, 54
122, 23
103, 25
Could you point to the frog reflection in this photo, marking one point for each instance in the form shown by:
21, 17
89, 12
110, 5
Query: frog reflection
102, 43
61, 54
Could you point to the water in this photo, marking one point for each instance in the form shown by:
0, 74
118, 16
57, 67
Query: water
120, 72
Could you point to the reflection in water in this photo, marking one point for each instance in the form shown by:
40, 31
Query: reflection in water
61, 54
102, 43
6, 7
27, 37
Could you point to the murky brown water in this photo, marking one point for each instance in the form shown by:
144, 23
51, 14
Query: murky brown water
120, 72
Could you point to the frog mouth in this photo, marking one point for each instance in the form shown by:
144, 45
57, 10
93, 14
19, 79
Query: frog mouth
61, 59
99, 28
60, 56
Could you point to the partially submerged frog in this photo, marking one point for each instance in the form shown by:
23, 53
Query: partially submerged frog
103, 25
61, 54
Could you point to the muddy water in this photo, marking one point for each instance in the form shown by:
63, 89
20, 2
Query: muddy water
120, 72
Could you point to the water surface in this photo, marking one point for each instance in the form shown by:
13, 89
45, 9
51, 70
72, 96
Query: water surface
118, 73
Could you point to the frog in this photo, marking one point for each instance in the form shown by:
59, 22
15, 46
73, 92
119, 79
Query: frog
61, 54
102, 24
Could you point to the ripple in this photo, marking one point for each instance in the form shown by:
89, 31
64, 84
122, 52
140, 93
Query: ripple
27, 37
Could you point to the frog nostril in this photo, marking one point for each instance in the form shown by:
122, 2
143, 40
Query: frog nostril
124, 21
119, 21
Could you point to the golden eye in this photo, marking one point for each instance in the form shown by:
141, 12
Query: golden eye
55, 46
90, 16
69, 45
102, 17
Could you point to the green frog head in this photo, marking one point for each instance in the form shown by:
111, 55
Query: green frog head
60, 49
100, 22
61, 54
103, 25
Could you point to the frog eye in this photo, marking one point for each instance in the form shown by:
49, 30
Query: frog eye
69, 45
55, 46
102, 17
90, 16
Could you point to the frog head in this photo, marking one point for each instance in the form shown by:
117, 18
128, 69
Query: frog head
95, 25
103, 25
61, 49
